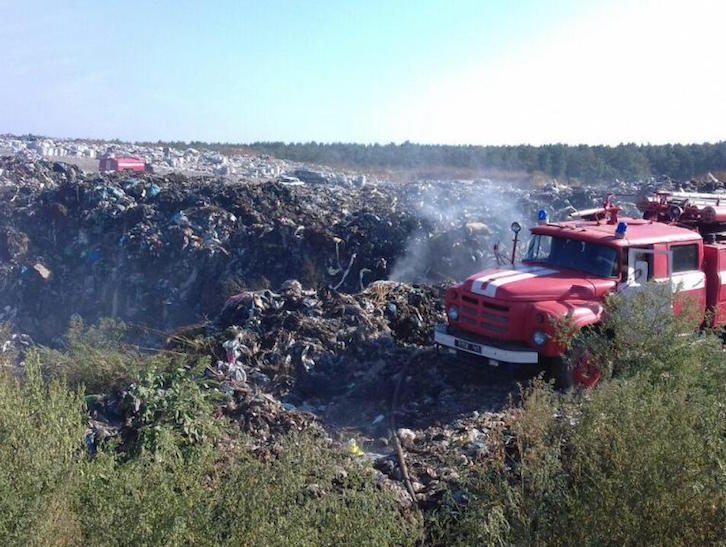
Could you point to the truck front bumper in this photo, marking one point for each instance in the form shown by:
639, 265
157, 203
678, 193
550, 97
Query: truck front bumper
486, 349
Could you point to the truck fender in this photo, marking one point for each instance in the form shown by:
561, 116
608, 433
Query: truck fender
577, 316
583, 314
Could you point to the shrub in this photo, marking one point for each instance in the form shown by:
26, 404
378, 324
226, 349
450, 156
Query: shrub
192, 482
94, 357
640, 335
172, 408
309, 496
640, 460
41, 434
646, 466
152, 499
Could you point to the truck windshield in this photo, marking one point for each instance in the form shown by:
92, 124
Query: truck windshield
571, 253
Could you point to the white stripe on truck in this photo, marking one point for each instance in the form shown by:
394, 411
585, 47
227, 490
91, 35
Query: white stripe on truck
478, 283
689, 281
476, 286
494, 281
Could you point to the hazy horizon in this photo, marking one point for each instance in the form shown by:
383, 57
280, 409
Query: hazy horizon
188, 142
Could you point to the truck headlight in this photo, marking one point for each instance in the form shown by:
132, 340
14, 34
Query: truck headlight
453, 313
539, 338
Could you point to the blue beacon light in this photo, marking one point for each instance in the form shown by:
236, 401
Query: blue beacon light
620, 230
542, 216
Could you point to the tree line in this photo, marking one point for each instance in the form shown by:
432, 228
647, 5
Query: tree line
588, 163
583, 162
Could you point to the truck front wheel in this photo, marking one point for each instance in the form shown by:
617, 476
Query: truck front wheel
574, 369
560, 373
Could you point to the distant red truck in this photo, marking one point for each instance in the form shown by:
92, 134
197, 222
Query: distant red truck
124, 163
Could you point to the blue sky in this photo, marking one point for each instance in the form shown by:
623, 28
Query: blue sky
480, 72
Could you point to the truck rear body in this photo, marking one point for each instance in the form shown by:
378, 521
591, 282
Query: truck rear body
128, 163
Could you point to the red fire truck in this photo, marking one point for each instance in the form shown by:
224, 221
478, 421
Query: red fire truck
110, 162
507, 315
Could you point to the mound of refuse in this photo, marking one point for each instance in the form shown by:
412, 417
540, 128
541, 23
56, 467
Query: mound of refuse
167, 250
353, 367
318, 341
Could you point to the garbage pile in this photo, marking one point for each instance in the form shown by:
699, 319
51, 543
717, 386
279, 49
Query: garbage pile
235, 164
167, 250
357, 366
309, 339
283, 357
351, 368
436, 455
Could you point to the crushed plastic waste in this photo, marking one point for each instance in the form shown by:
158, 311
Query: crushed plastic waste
325, 359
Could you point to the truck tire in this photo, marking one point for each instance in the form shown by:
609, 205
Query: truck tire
585, 373
561, 373
574, 369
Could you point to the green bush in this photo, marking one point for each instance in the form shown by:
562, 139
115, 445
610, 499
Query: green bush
195, 482
647, 467
146, 500
309, 496
640, 335
41, 433
94, 357
639, 461
172, 409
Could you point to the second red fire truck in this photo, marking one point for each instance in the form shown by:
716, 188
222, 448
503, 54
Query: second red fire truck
112, 163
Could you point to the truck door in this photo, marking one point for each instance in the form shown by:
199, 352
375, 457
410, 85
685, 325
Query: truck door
688, 281
646, 268
644, 264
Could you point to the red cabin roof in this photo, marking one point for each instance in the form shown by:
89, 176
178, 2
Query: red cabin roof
639, 232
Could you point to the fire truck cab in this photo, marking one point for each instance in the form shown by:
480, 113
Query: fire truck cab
509, 315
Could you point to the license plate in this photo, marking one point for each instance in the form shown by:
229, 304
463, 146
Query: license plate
468, 346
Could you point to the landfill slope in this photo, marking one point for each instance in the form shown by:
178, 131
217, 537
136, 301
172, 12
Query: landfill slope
168, 250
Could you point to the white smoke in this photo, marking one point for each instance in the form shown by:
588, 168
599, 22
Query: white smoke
463, 221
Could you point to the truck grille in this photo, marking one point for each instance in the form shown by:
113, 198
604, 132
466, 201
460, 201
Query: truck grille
489, 317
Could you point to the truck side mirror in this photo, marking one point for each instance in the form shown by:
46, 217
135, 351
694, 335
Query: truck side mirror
640, 272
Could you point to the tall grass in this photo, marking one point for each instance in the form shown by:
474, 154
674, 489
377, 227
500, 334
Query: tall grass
639, 461
187, 480
41, 430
